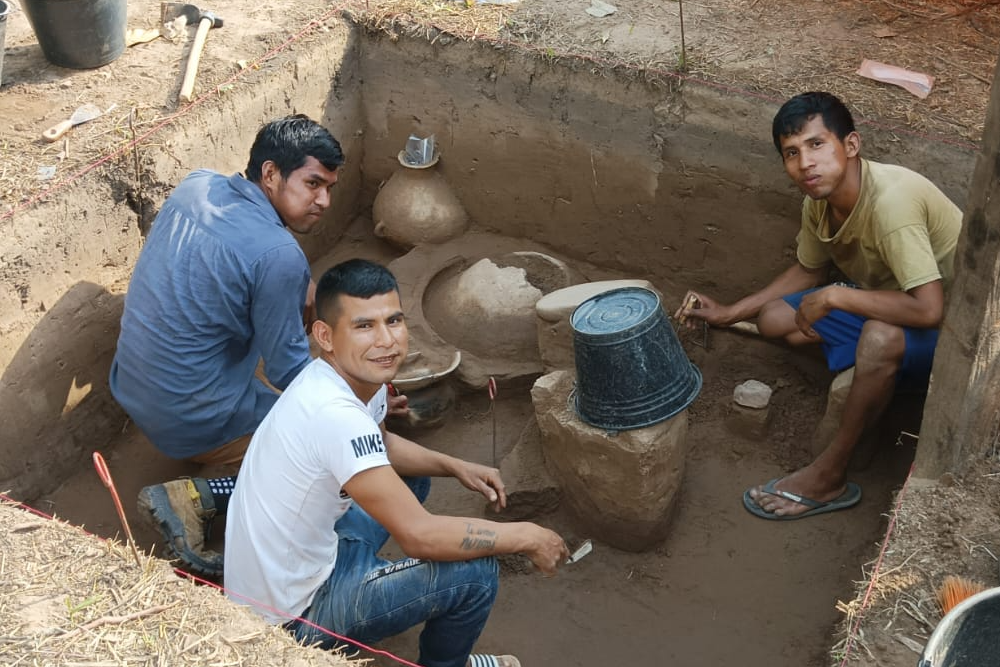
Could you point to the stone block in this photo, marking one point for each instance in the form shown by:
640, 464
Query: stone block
555, 335
622, 487
752, 394
531, 491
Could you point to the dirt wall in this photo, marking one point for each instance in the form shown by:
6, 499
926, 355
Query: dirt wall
676, 182
65, 264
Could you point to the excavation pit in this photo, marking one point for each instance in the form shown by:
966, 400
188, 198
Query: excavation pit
621, 178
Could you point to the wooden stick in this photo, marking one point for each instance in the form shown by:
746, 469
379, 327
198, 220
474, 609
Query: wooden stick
115, 620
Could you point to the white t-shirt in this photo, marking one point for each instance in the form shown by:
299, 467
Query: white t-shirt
280, 540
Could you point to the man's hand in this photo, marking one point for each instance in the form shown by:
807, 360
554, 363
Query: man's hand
483, 479
549, 552
814, 306
398, 405
697, 306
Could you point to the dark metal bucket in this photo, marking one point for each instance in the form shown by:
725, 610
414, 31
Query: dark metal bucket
81, 34
4, 12
631, 370
968, 635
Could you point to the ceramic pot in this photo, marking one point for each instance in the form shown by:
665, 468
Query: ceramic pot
429, 408
416, 206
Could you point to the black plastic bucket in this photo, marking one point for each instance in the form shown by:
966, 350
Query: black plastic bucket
968, 635
4, 11
80, 34
631, 370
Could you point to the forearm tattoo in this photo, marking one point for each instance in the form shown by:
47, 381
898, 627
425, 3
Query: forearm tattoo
478, 538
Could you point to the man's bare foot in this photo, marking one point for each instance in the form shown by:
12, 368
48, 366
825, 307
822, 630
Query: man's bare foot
802, 485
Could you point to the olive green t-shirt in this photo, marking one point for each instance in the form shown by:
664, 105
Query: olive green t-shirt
901, 234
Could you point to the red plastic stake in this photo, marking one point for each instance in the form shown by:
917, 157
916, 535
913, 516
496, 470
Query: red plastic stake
105, 475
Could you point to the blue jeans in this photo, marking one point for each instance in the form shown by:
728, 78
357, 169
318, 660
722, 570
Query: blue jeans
368, 598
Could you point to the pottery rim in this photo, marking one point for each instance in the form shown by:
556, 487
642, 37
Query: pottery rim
402, 160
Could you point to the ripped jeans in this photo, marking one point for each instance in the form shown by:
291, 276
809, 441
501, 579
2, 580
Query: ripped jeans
368, 598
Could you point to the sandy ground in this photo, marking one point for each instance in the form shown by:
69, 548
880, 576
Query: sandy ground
725, 588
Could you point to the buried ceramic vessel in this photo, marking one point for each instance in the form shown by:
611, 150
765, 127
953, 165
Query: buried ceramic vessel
416, 206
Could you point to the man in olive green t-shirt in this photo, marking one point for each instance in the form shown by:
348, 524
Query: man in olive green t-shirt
892, 233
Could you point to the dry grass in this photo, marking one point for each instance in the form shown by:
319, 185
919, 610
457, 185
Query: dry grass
432, 18
73, 600
945, 530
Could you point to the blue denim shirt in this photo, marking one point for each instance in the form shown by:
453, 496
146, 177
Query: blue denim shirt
219, 284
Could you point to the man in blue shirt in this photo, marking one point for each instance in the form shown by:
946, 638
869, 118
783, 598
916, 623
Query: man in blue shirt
220, 286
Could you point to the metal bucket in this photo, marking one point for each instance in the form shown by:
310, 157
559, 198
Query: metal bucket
968, 635
631, 370
4, 12
81, 34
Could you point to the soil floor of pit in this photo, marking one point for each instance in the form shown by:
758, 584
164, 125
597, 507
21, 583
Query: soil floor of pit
724, 588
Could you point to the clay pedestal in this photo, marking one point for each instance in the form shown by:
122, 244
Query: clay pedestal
748, 422
622, 487
530, 490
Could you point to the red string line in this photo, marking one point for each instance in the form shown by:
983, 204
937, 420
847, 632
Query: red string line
878, 567
326, 631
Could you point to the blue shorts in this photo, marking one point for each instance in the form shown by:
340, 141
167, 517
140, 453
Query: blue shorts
841, 330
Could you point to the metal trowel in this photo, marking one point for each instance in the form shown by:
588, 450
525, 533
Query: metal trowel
83, 114
580, 552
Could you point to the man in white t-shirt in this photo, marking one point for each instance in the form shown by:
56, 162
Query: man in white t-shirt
323, 486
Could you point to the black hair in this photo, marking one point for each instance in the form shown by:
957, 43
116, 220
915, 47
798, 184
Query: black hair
796, 112
355, 277
288, 142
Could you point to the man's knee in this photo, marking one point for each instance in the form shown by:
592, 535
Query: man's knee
776, 319
482, 571
486, 569
880, 344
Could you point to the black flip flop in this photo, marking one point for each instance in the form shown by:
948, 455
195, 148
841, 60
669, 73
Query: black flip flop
849, 498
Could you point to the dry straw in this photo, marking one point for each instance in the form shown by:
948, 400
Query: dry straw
71, 599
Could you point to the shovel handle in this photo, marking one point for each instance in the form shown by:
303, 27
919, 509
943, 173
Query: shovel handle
187, 87
57, 130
